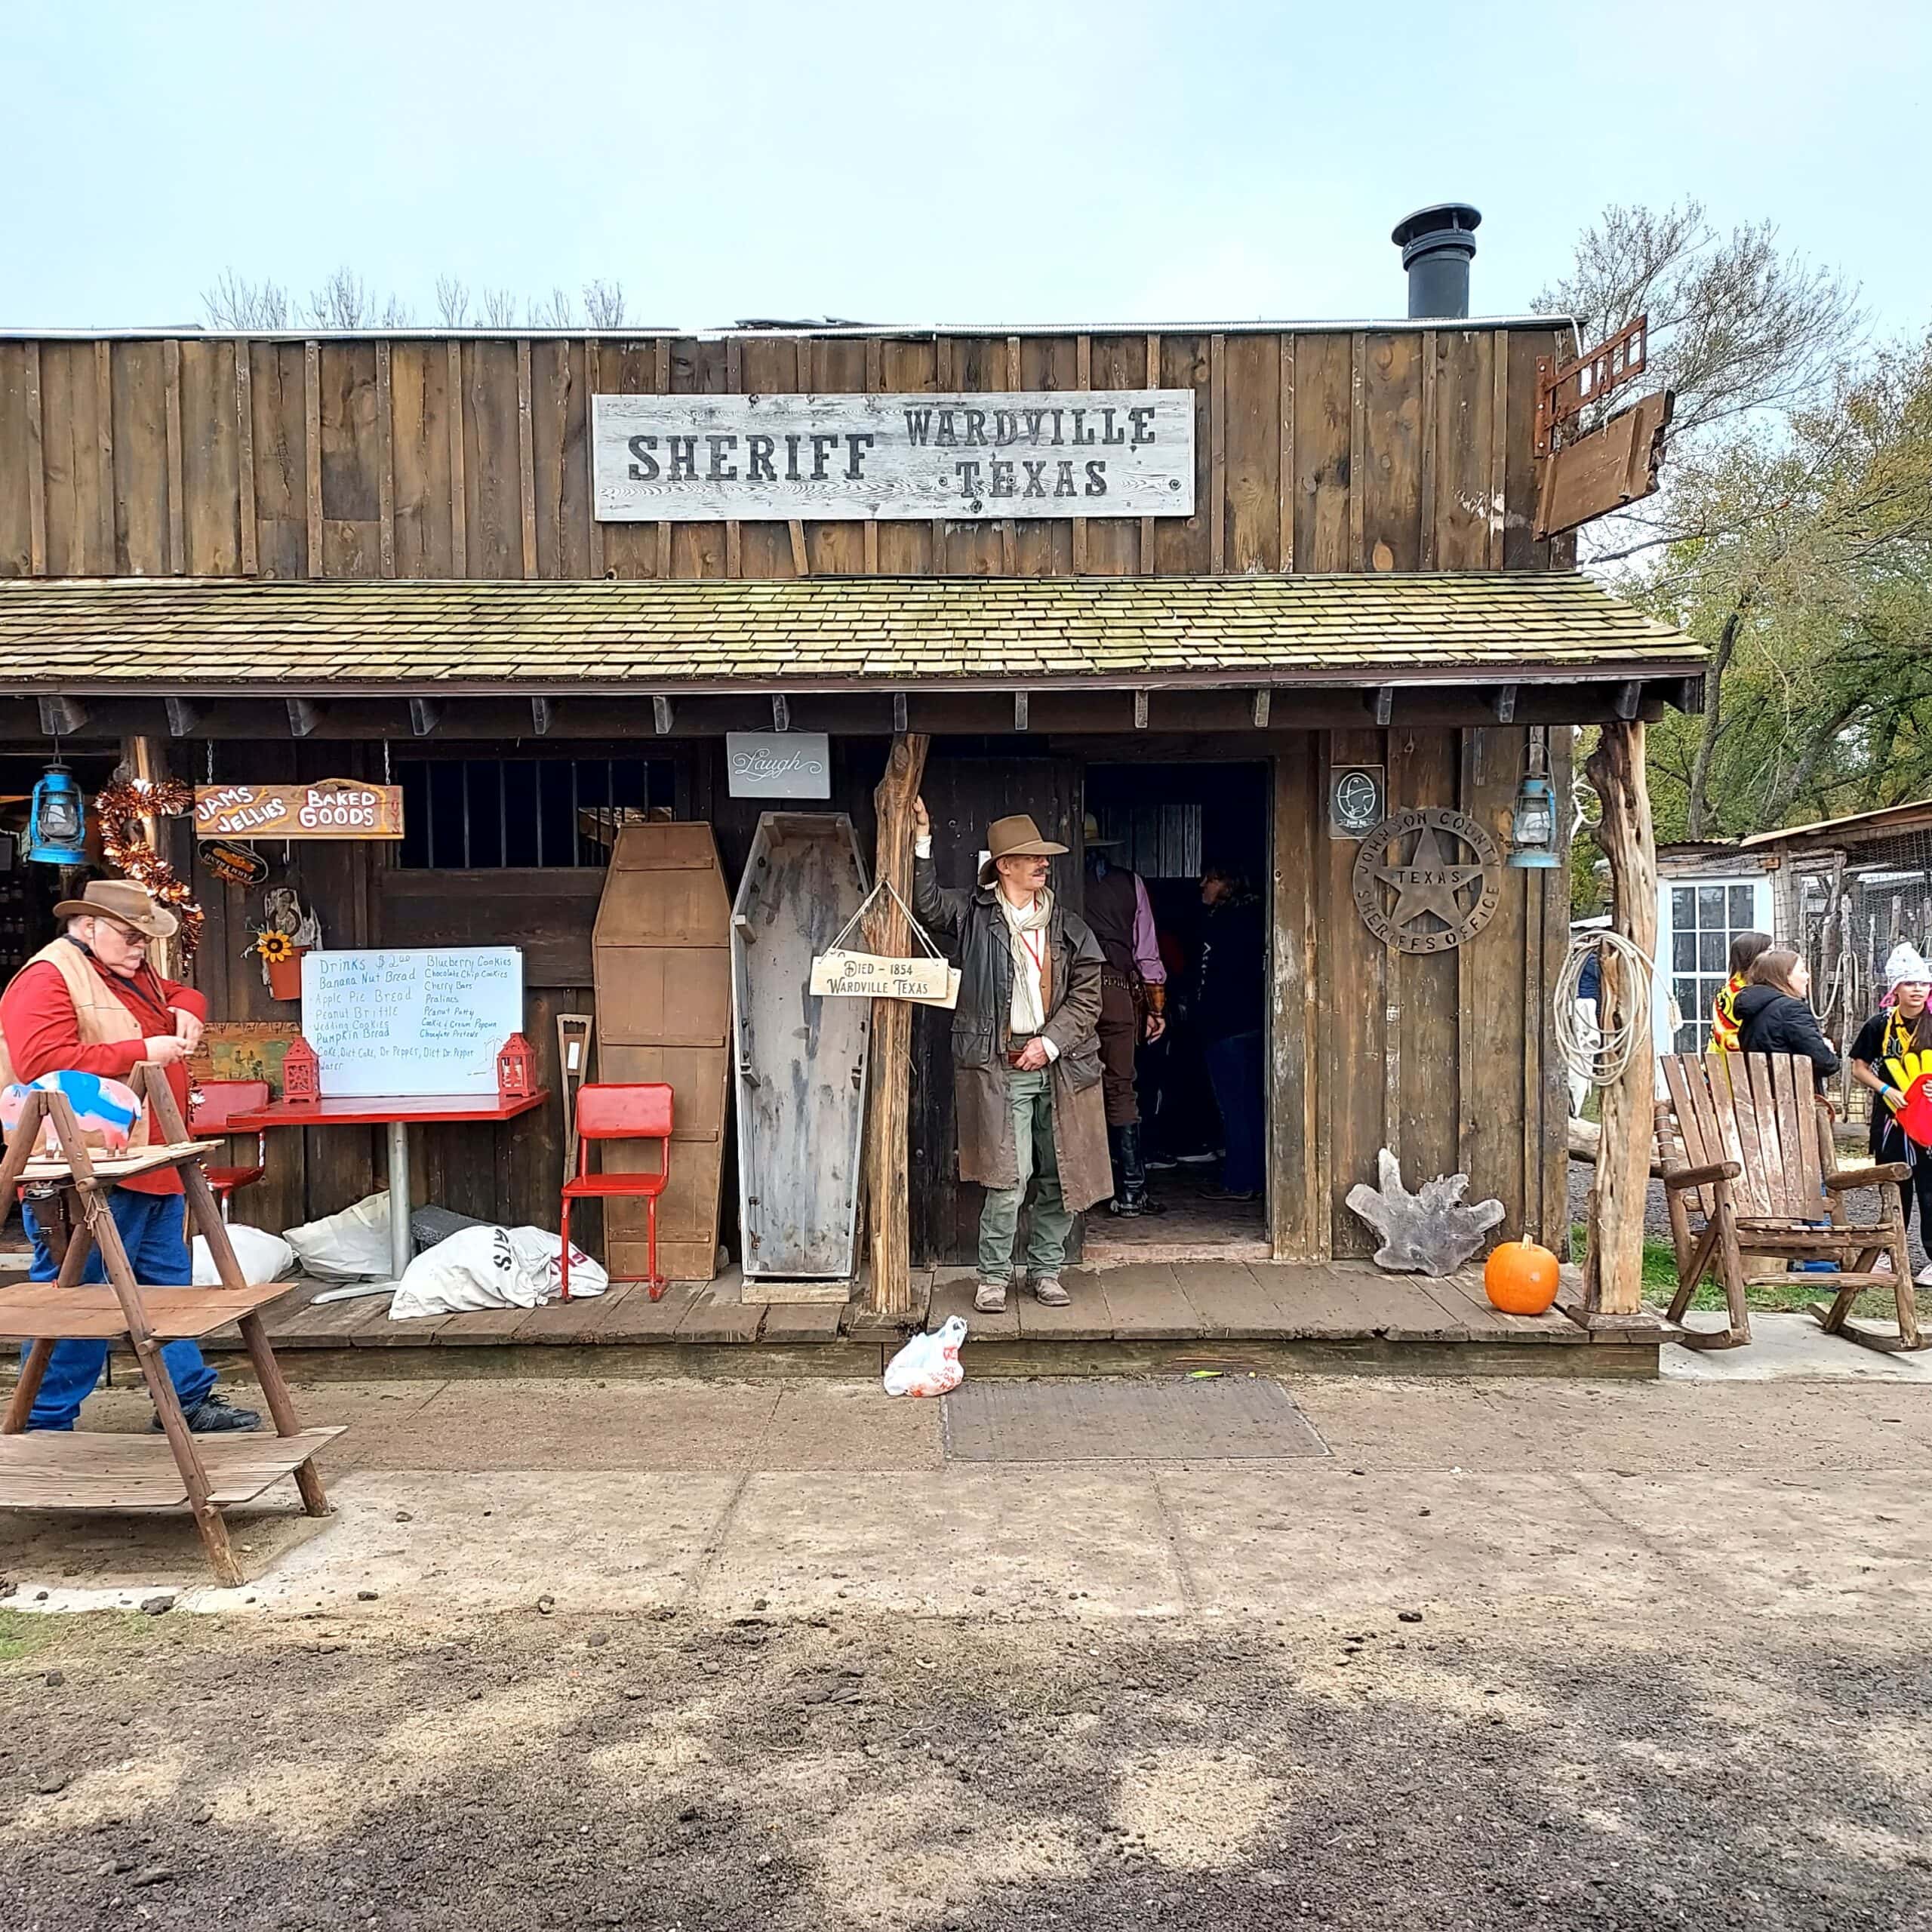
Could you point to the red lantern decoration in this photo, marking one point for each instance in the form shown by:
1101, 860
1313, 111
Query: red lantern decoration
516, 1069
301, 1073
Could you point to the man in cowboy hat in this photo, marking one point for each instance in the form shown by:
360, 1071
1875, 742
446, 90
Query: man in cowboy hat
1134, 992
1025, 1055
90, 1003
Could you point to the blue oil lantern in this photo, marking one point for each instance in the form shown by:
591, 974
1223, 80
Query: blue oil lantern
57, 825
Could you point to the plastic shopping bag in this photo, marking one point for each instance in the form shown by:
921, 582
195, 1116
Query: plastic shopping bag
262, 1257
928, 1364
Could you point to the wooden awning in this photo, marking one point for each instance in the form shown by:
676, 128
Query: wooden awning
150, 637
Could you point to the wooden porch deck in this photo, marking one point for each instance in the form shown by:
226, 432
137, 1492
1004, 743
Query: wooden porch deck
1328, 1317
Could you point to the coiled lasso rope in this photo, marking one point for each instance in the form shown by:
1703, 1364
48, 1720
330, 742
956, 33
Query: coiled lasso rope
1603, 1062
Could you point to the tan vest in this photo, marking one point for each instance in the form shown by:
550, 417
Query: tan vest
102, 1019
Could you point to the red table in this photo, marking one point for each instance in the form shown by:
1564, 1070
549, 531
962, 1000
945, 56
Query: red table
399, 1113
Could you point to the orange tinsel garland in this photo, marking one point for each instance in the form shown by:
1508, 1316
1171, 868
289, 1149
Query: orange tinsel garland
120, 807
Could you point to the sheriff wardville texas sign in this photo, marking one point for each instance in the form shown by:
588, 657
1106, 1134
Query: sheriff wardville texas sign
1059, 453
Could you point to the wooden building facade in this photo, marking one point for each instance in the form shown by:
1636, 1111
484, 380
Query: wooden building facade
269, 559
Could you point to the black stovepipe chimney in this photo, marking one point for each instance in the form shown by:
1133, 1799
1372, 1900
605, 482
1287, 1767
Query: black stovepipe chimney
1437, 243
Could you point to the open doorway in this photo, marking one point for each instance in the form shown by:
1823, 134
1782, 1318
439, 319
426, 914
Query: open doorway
1198, 835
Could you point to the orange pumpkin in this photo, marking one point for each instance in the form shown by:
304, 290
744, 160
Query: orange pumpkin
1520, 1278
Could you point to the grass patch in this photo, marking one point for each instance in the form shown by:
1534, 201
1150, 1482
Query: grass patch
1660, 1281
21, 1635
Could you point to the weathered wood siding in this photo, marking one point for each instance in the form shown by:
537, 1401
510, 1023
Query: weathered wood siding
1444, 1057
1389, 449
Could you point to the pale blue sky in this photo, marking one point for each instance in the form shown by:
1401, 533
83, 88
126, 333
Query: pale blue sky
1097, 160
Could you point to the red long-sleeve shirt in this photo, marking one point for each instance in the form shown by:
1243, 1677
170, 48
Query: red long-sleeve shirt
43, 1036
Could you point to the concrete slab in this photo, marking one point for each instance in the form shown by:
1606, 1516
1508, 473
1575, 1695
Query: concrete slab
1794, 1548
1292, 1540
967, 1541
1793, 1347
609, 1540
849, 1426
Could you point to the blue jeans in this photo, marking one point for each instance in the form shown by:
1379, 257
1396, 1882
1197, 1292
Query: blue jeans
1234, 1069
154, 1230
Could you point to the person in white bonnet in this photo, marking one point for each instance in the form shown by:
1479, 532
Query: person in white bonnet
1899, 1028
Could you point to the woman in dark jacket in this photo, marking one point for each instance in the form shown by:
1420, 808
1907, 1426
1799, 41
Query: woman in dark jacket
1774, 1012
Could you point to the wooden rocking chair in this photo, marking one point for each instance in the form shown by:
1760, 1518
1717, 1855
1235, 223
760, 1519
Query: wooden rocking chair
1744, 1143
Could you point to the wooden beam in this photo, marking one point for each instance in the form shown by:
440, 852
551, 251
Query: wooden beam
1381, 702
35, 458
311, 449
888, 1095
781, 711
1083, 378
1217, 454
526, 457
423, 714
1263, 700
540, 715
660, 716
1629, 696
1147, 551
1019, 711
898, 710
459, 482
1613, 1275
1286, 480
181, 716
245, 454
177, 498
1503, 702
303, 715
103, 391
384, 462
62, 717
1140, 710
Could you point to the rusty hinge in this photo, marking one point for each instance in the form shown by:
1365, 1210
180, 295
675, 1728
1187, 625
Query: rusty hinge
1565, 389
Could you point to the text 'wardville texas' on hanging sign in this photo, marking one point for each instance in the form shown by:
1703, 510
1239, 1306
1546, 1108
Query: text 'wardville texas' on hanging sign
757, 459
330, 808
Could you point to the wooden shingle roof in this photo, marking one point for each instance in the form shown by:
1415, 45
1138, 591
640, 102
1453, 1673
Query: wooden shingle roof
78, 636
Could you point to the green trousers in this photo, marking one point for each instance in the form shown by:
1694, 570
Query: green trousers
1030, 1097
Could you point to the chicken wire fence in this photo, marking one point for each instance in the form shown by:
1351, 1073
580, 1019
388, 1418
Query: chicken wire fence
1850, 912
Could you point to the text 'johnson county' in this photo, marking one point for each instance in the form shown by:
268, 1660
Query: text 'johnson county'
810, 457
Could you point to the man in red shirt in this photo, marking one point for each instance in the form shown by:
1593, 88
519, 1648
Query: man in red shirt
91, 1003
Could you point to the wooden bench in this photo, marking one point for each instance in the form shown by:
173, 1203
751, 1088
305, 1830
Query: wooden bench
1746, 1147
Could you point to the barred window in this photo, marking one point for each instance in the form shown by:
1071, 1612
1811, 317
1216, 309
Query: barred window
484, 813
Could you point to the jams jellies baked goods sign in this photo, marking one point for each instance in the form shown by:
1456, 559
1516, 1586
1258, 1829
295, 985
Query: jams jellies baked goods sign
1055, 452
329, 808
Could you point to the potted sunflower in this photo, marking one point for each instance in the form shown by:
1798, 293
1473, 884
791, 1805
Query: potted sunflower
286, 932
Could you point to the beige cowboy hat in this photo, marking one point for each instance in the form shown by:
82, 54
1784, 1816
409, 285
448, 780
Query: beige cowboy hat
1015, 837
1090, 835
121, 898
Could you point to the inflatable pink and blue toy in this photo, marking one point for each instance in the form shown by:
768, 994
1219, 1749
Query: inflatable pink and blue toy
106, 1110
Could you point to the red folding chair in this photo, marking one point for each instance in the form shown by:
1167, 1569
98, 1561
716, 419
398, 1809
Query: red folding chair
212, 1103
606, 1110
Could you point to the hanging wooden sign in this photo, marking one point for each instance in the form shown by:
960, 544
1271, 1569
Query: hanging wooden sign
329, 808
1446, 871
1059, 453
921, 979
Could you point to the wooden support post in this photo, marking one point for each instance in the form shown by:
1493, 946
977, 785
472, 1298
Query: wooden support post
888, 1095
146, 759
1613, 1282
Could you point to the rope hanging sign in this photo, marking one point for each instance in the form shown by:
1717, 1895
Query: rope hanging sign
921, 979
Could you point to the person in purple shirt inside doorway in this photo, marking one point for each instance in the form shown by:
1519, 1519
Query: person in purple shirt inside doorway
1134, 992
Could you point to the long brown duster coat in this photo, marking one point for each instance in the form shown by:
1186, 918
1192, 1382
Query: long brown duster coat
971, 926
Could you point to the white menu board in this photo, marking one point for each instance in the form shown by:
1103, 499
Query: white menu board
427, 1019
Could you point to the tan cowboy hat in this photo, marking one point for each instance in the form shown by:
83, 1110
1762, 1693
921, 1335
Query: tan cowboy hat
1091, 834
121, 898
1015, 837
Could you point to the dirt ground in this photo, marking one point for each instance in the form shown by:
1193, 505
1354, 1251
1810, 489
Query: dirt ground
852, 1772
1684, 1683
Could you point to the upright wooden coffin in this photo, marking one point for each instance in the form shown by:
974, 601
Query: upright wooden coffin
661, 950
800, 1061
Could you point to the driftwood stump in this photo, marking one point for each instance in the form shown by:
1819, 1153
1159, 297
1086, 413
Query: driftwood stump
1432, 1231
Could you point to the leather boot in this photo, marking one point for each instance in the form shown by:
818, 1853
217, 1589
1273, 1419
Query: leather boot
1131, 1195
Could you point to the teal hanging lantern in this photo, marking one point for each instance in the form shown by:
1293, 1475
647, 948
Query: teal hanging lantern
56, 827
1533, 823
